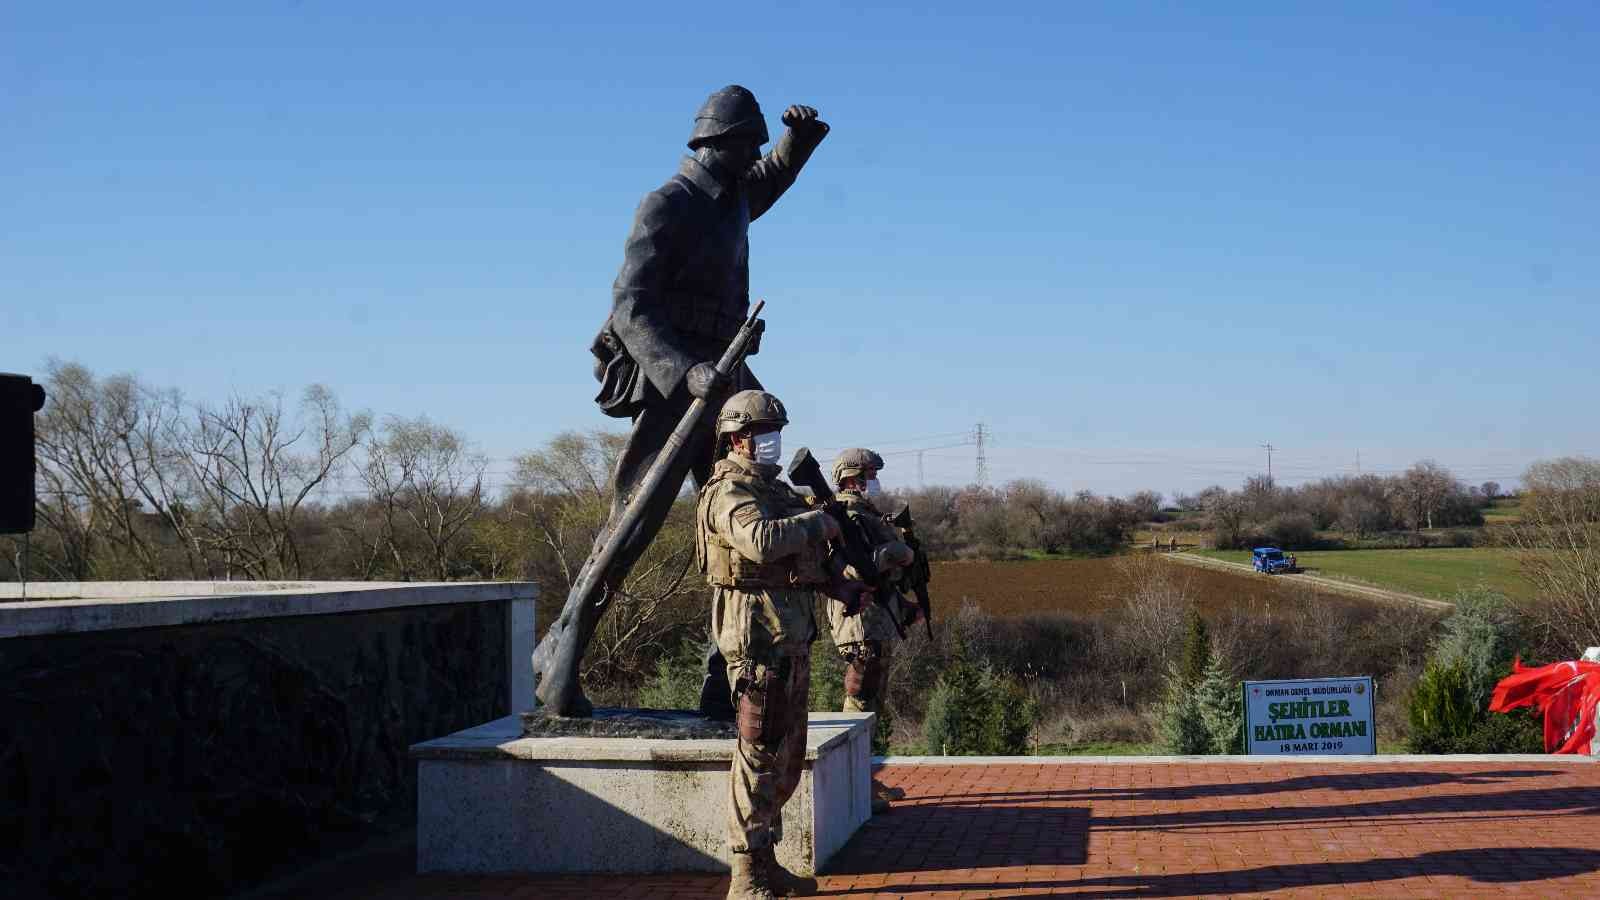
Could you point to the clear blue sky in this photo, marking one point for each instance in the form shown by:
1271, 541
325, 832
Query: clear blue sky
1135, 241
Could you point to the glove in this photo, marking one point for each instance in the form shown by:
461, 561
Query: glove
705, 382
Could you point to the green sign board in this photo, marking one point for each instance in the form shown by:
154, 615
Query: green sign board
1309, 717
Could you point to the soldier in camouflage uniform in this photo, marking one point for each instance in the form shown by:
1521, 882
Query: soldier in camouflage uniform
764, 552
866, 641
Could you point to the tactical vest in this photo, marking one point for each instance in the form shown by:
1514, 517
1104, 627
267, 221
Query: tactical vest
724, 566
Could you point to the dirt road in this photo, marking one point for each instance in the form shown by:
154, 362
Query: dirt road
1331, 585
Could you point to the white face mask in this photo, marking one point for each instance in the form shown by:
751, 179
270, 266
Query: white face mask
874, 488
769, 448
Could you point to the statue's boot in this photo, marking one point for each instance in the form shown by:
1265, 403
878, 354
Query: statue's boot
749, 881
783, 882
566, 702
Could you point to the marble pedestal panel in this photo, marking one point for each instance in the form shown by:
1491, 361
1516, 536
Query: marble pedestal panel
491, 800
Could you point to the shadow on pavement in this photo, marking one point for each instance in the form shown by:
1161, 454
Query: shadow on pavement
1485, 865
1565, 801
1351, 781
917, 837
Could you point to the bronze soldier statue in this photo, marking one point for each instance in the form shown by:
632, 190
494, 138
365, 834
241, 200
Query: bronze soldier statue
682, 294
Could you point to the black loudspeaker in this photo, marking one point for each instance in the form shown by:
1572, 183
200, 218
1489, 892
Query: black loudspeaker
20, 398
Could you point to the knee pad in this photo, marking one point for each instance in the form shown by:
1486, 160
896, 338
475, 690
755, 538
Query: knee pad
861, 675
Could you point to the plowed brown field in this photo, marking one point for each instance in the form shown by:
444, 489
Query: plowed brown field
1090, 586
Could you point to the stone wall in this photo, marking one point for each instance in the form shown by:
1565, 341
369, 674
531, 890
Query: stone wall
200, 758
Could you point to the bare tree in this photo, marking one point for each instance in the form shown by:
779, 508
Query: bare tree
135, 484
1145, 505
985, 522
1156, 601
937, 517
1261, 496
1227, 513
1208, 496
104, 461
1491, 491
1362, 515
574, 464
1421, 491
426, 481
252, 470
1558, 544
1037, 515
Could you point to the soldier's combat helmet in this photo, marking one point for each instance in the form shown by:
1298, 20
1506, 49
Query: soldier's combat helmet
747, 409
855, 463
732, 111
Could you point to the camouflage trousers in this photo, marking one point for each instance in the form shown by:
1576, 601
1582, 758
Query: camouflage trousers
771, 754
866, 675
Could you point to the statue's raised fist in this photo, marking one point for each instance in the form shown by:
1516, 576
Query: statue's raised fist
803, 118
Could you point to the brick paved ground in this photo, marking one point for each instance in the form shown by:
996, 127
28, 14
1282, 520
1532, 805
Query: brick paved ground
1445, 830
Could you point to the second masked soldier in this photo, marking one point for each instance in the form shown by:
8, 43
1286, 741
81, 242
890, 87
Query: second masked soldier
866, 641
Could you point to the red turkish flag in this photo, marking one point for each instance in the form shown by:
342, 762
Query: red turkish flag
1565, 692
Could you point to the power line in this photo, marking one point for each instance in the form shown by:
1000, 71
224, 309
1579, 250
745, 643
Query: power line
983, 460
966, 443
874, 445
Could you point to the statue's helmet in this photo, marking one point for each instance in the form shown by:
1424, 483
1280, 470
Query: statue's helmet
730, 112
855, 463
748, 409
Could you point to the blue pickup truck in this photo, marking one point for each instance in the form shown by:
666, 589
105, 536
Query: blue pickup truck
1271, 560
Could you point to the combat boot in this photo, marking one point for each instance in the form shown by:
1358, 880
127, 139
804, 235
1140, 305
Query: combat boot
783, 882
880, 804
749, 880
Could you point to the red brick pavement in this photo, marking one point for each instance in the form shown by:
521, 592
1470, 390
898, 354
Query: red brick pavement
1414, 830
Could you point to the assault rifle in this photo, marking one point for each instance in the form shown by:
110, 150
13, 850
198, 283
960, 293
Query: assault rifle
856, 544
919, 572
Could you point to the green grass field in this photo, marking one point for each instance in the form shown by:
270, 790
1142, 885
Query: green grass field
1503, 512
1440, 573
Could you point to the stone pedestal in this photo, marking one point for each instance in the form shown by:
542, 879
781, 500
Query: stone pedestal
490, 799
